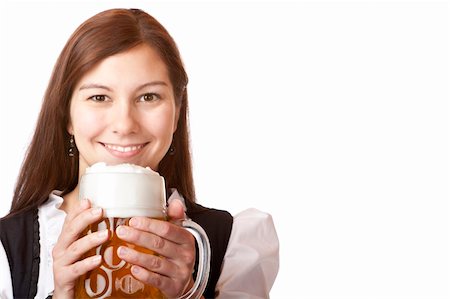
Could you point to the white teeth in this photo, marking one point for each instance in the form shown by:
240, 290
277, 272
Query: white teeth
123, 149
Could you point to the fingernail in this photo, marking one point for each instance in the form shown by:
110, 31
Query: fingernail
84, 203
133, 222
96, 211
102, 234
96, 259
135, 269
121, 231
123, 251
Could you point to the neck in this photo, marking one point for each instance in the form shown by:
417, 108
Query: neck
70, 201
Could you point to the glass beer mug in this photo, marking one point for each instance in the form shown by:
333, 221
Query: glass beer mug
124, 191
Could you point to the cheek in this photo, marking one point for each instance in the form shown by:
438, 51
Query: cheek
85, 123
162, 124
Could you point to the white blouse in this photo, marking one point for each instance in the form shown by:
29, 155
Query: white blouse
250, 265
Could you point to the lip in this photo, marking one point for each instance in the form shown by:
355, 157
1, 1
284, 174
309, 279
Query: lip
124, 150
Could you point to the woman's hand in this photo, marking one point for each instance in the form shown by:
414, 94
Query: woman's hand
69, 249
172, 271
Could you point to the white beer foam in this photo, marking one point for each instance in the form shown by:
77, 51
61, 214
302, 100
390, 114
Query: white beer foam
125, 168
124, 190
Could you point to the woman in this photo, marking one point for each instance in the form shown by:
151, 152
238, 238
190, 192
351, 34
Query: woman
118, 95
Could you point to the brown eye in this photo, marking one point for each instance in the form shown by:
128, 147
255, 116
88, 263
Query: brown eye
149, 97
98, 98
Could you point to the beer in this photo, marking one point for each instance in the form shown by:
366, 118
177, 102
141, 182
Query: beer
124, 191
113, 278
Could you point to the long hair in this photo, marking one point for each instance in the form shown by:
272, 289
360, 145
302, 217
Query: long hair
47, 166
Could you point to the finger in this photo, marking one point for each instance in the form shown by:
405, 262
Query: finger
165, 229
79, 268
75, 251
182, 253
176, 209
72, 229
81, 205
152, 262
170, 287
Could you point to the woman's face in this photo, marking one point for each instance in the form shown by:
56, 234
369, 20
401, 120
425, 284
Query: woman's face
123, 110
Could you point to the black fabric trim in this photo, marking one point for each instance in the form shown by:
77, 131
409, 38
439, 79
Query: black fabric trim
36, 257
217, 225
17, 234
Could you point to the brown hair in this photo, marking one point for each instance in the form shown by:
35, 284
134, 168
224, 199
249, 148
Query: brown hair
47, 165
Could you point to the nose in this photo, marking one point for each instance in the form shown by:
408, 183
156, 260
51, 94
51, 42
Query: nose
125, 119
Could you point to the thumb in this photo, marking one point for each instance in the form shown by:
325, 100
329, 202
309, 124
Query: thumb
175, 210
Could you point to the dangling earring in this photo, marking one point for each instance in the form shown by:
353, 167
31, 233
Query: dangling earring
171, 150
72, 147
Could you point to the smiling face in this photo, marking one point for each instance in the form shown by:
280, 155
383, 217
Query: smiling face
123, 110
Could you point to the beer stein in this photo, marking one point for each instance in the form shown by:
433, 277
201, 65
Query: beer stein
124, 191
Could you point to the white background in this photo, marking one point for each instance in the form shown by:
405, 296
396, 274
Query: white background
332, 116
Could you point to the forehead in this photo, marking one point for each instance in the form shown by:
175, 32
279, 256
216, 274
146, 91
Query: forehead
132, 67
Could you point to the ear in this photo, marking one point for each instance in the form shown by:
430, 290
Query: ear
70, 128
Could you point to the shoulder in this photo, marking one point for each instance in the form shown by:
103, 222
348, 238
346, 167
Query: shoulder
20, 216
216, 223
195, 210
17, 230
13, 225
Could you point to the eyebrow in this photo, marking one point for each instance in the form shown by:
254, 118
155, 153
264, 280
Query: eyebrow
99, 86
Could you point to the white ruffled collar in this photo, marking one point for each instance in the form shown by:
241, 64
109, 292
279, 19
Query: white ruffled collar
51, 220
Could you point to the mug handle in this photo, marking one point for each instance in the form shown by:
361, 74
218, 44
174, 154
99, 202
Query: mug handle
204, 253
